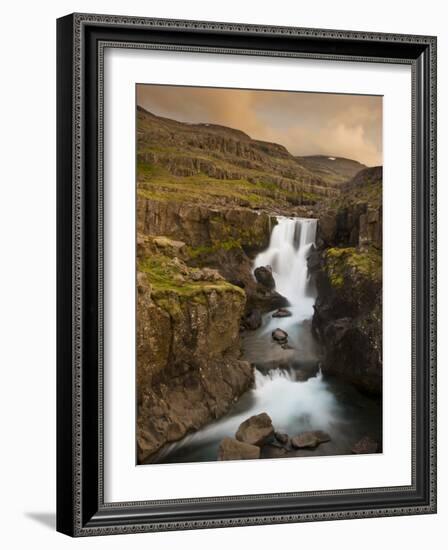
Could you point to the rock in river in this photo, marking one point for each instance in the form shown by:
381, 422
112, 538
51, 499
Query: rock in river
282, 312
265, 299
323, 437
252, 320
305, 440
366, 445
263, 275
309, 440
256, 430
231, 449
280, 336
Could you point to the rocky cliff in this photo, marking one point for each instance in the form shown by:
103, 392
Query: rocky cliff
347, 266
189, 370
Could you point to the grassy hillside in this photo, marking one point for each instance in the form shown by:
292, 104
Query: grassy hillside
215, 165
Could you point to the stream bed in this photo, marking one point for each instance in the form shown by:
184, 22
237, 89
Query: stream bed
289, 385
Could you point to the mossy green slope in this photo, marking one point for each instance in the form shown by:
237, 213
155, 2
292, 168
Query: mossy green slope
344, 263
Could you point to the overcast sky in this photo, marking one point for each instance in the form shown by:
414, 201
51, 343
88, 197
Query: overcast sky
305, 123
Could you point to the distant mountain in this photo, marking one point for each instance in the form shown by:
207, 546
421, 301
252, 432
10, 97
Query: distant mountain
333, 170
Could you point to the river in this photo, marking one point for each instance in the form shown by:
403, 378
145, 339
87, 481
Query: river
288, 383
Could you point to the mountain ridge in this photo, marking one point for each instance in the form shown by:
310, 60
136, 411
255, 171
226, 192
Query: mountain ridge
209, 163
334, 169
217, 166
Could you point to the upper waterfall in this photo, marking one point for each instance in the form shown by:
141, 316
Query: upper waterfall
289, 246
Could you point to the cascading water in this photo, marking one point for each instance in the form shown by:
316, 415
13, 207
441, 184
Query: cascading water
289, 246
294, 402
293, 407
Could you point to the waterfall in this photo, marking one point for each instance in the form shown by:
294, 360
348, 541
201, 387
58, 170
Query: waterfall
294, 405
289, 246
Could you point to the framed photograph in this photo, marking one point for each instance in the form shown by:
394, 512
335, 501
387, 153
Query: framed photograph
246, 274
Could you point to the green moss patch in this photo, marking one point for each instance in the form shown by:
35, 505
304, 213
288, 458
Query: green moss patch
344, 261
169, 276
199, 252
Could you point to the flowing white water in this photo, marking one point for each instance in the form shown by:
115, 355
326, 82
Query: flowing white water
289, 246
293, 405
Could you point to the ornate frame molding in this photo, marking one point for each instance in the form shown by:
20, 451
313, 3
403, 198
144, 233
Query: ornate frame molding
83, 512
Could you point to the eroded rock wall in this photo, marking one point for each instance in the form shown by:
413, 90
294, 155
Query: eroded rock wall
188, 355
347, 266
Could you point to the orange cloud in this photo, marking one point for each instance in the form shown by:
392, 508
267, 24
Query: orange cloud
305, 123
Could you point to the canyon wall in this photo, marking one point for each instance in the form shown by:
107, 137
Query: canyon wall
188, 355
347, 267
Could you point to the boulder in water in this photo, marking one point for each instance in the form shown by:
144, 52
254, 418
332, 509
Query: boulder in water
309, 440
365, 445
265, 300
256, 430
322, 436
314, 260
282, 312
252, 320
280, 336
305, 440
231, 449
263, 275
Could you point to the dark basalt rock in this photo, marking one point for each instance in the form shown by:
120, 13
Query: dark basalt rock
231, 449
282, 312
309, 440
264, 299
280, 336
304, 440
322, 436
256, 430
348, 317
263, 275
252, 320
314, 260
346, 270
353, 352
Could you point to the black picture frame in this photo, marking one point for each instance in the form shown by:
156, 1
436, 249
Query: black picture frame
81, 510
